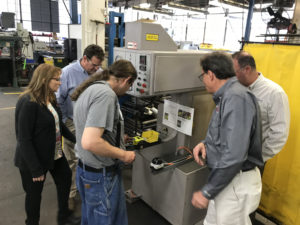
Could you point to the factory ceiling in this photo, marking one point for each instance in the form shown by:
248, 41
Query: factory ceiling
196, 5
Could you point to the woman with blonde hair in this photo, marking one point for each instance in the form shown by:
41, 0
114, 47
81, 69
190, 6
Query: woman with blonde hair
39, 130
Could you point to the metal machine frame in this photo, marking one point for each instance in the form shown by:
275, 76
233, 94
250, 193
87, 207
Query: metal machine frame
166, 73
112, 33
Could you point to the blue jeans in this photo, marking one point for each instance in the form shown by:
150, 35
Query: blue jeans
102, 195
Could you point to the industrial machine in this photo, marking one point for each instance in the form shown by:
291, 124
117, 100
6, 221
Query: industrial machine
167, 99
10, 58
27, 40
20, 55
180, 70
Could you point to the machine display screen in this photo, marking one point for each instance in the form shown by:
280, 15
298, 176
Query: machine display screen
143, 60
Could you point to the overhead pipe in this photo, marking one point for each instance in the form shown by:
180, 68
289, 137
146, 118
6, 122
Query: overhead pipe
249, 20
73, 11
51, 22
20, 5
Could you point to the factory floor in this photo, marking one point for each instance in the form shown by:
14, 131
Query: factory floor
12, 195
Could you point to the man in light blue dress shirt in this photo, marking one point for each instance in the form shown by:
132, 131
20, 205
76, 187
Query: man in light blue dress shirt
72, 76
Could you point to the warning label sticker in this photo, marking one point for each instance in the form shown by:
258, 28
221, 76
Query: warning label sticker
152, 37
131, 45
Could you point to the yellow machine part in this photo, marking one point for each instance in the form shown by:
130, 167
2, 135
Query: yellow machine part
206, 46
136, 140
49, 60
281, 179
150, 136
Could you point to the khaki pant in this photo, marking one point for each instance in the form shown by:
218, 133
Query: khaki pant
236, 201
69, 151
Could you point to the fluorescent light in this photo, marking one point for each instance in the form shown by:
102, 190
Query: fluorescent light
145, 5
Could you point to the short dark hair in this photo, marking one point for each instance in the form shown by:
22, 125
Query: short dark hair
94, 50
219, 63
244, 59
120, 69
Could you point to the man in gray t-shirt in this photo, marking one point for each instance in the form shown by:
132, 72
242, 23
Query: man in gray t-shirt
97, 119
97, 107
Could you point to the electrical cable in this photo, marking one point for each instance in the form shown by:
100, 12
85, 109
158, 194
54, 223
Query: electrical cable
185, 148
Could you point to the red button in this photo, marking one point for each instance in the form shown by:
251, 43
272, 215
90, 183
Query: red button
142, 91
144, 85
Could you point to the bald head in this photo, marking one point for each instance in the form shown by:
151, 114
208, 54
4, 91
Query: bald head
244, 67
244, 59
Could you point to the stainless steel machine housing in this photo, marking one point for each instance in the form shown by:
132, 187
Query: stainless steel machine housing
163, 72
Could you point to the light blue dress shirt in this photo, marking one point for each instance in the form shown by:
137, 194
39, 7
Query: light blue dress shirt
72, 76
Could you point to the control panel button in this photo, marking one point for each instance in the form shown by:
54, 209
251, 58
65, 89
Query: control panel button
144, 85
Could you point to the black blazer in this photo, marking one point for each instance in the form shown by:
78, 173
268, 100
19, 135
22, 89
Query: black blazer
36, 136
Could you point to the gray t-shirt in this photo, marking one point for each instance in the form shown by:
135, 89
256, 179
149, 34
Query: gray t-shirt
97, 106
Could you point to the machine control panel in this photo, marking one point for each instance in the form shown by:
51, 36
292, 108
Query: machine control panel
143, 70
160, 72
142, 63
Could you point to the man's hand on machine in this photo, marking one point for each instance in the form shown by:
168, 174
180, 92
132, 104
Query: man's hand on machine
199, 153
128, 156
127, 139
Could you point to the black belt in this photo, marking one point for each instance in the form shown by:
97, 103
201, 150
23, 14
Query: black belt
112, 168
247, 169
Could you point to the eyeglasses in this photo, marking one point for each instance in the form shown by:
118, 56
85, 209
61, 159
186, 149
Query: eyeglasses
57, 79
131, 81
94, 65
201, 76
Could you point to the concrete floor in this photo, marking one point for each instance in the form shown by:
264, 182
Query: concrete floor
12, 195
11, 192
